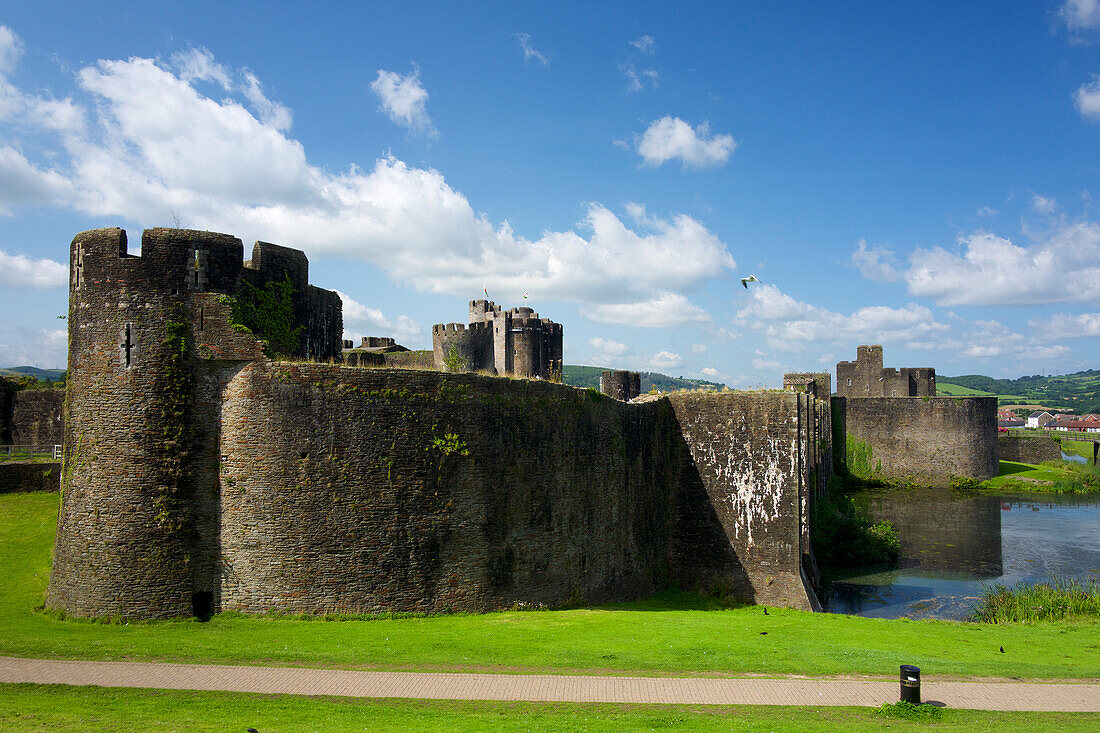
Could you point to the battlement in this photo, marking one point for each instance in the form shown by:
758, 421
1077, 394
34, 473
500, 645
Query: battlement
462, 327
866, 377
516, 342
483, 310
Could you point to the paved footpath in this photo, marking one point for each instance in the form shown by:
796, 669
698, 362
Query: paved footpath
1074, 697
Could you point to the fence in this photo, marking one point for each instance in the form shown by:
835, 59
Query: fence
28, 452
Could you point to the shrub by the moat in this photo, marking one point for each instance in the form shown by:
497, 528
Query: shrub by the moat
1055, 600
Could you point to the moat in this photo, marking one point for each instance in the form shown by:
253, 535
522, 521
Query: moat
954, 545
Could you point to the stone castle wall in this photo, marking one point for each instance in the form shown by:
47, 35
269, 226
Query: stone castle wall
30, 416
620, 384
866, 377
515, 342
741, 512
140, 428
1028, 450
200, 476
491, 492
924, 439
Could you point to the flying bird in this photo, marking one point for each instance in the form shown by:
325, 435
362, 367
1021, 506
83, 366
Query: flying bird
750, 279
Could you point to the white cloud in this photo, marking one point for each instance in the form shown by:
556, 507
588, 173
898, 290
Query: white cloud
1087, 98
762, 365
19, 271
44, 348
151, 143
11, 50
361, 320
530, 52
790, 325
874, 263
1080, 15
1066, 326
636, 80
670, 138
986, 211
699, 348
670, 309
198, 64
22, 182
405, 100
607, 346
991, 270
711, 372
665, 360
645, 44
1043, 205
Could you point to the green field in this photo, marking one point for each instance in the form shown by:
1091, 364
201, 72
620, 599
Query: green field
54, 707
1079, 391
675, 633
955, 390
589, 377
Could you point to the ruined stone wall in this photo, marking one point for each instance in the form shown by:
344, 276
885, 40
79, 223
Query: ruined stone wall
927, 440
36, 417
28, 476
1028, 450
739, 507
866, 377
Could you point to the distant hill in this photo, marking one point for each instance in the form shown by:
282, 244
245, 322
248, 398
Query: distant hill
42, 375
589, 376
1079, 391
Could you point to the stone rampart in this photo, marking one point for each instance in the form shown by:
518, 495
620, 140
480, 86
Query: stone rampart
927, 440
1028, 450
28, 476
741, 512
36, 417
200, 476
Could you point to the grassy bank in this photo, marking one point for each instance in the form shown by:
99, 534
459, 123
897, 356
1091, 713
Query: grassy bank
1060, 477
54, 707
673, 633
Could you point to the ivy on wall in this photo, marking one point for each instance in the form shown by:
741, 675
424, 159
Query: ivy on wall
268, 312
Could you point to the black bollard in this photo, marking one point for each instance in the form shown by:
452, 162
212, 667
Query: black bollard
910, 684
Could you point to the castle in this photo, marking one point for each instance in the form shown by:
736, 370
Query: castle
895, 428
201, 475
866, 377
514, 342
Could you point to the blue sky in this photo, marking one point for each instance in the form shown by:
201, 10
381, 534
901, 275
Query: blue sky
913, 174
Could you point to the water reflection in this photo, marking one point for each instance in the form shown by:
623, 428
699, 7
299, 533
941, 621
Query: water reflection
952, 545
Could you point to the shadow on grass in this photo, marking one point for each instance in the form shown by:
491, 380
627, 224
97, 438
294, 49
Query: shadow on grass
1010, 467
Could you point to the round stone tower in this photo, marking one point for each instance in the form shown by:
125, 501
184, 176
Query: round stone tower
127, 534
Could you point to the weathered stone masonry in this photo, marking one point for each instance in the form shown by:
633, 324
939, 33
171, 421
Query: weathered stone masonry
201, 476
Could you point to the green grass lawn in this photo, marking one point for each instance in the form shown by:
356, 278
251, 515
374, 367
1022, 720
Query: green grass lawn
671, 634
1062, 477
53, 707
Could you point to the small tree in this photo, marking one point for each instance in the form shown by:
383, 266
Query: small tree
453, 361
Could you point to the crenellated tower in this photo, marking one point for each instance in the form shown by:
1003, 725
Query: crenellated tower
151, 344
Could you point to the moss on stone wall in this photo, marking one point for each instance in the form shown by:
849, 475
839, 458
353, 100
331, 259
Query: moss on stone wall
268, 312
